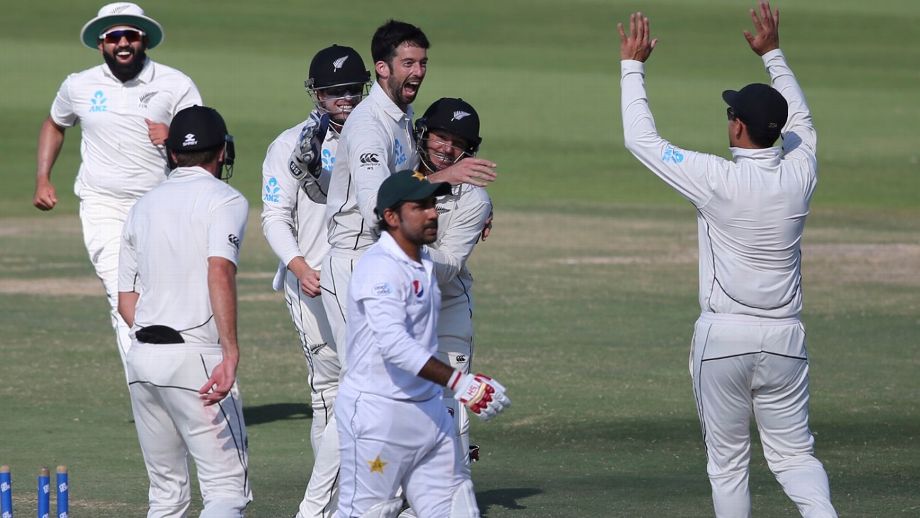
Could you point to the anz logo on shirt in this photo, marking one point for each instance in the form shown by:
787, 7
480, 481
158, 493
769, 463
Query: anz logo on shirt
328, 160
271, 191
399, 153
672, 154
97, 102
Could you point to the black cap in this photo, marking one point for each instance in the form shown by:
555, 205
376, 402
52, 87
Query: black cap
407, 186
337, 65
759, 106
196, 128
454, 116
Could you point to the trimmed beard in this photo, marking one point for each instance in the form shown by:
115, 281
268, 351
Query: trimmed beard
129, 71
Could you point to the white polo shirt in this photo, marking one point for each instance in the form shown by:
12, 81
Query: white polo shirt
462, 215
118, 159
393, 304
168, 237
376, 142
750, 210
293, 224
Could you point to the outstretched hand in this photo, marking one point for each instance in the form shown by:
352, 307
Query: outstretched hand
766, 25
637, 44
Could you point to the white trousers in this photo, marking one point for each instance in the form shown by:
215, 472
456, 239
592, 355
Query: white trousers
172, 423
388, 444
309, 317
455, 347
740, 368
103, 221
334, 278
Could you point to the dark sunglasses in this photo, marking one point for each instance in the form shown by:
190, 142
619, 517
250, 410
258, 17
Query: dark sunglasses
354, 90
115, 36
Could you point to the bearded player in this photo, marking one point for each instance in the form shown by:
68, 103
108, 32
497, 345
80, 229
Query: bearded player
295, 177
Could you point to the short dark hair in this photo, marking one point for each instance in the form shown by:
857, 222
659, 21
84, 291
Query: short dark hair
193, 158
382, 225
391, 35
763, 138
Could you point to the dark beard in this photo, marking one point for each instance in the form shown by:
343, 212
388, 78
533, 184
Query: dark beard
127, 72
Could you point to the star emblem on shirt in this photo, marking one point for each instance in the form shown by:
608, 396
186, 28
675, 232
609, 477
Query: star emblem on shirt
377, 465
418, 175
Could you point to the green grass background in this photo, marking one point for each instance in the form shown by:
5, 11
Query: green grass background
586, 291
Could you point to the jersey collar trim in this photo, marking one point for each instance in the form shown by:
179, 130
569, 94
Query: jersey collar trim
769, 156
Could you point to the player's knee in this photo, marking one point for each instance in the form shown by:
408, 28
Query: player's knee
463, 503
387, 509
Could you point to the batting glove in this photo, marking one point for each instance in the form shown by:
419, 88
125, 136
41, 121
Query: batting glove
484, 396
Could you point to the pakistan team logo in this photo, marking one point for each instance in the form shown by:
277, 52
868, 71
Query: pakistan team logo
97, 102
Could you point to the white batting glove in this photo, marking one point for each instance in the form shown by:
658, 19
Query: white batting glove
484, 396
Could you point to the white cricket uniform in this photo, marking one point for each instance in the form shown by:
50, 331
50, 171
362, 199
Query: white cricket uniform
295, 225
119, 163
376, 142
462, 216
393, 428
748, 347
168, 237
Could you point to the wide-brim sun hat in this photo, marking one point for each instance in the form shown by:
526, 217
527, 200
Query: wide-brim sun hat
121, 13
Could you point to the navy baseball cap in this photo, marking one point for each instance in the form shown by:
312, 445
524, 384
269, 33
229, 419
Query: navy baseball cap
196, 128
407, 186
759, 106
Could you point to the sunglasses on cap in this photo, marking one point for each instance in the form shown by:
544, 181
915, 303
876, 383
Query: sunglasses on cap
132, 35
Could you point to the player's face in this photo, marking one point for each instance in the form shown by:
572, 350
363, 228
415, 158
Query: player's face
339, 101
444, 149
404, 73
123, 48
418, 221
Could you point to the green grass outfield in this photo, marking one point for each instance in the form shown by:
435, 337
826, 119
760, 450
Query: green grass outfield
586, 290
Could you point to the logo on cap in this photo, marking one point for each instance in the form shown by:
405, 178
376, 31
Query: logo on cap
459, 115
337, 64
190, 140
419, 176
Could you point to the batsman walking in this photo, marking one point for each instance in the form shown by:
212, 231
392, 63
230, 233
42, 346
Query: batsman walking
748, 351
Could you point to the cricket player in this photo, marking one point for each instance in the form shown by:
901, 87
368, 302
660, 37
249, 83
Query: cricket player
177, 291
393, 427
124, 106
376, 142
447, 132
748, 349
295, 178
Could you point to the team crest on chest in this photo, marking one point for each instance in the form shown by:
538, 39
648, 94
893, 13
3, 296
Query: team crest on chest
418, 289
97, 102
399, 153
145, 99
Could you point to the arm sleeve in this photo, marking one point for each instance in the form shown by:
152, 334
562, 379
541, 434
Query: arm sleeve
456, 244
693, 175
800, 141
186, 97
368, 158
279, 198
62, 112
383, 299
127, 257
227, 227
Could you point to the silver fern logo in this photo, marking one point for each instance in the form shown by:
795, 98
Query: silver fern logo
337, 64
459, 115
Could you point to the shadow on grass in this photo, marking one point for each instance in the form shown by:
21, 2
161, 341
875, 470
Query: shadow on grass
506, 498
255, 415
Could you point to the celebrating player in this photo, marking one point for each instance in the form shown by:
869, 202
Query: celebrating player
393, 429
295, 177
177, 291
748, 347
123, 106
448, 132
376, 142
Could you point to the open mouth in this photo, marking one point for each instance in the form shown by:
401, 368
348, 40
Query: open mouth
124, 54
411, 87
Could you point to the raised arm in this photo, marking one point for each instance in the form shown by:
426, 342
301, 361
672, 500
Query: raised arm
799, 137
